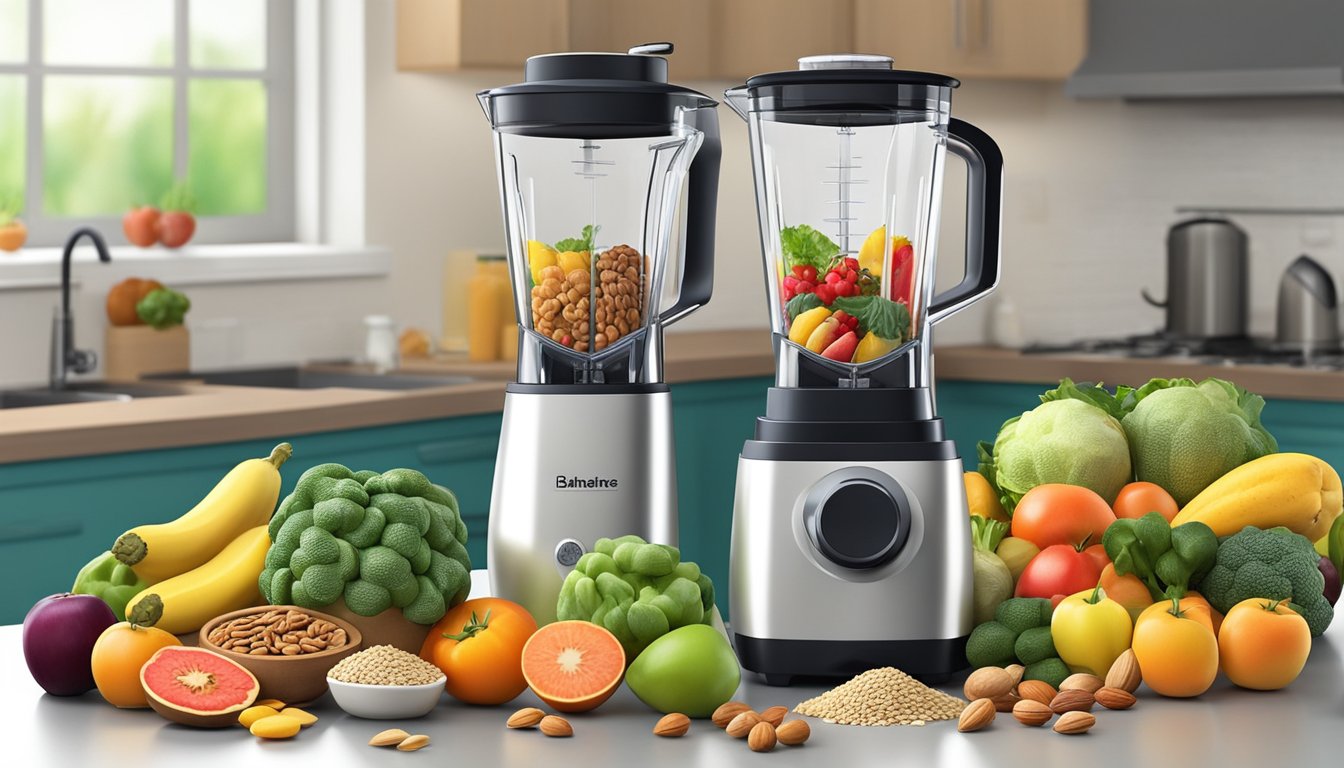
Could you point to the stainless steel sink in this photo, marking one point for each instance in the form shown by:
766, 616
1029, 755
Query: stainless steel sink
92, 392
315, 377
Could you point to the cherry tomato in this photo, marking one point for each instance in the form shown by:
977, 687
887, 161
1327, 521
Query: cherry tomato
479, 646
806, 286
826, 293
1059, 569
832, 278
1138, 499
1056, 513
810, 274
852, 263
844, 288
798, 270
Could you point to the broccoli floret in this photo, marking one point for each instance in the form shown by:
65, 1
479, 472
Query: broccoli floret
991, 645
1052, 671
1034, 645
1275, 564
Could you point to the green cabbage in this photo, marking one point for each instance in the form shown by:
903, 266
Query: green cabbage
1074, 436
1186, 435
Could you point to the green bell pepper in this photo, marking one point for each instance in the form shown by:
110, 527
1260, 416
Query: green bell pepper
108, 578
1166, 559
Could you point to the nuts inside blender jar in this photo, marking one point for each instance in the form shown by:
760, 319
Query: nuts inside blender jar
564, 304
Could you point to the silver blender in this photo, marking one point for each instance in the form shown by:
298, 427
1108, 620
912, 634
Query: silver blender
850, 542
608, 178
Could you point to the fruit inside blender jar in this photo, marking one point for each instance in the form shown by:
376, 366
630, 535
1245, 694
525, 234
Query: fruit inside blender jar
570, 310
843, 307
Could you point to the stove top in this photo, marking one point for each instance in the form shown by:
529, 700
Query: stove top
1230, 351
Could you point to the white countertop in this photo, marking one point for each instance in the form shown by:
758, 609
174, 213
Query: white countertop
1226, 727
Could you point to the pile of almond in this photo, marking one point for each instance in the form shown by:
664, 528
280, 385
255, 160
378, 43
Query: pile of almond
762, 730
1035, 702
550, 725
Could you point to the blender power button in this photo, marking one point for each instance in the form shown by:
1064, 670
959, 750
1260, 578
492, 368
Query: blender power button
568, 552
859, 523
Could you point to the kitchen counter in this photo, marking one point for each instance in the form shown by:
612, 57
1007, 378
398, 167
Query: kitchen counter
977, 363
1226, 726
212, 414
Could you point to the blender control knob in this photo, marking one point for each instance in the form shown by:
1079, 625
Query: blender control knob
859, 523
568, 552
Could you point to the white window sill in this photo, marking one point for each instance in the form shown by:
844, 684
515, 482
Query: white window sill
40, 268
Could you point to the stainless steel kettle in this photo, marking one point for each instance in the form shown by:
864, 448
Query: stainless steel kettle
1308, 318
1207, 284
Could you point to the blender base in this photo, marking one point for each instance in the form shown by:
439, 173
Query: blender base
576, 463
928, 660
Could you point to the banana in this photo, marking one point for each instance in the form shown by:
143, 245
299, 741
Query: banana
1294, 490
243, 499
226, 583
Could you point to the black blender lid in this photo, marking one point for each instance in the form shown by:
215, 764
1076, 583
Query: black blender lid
848, 83
597, 95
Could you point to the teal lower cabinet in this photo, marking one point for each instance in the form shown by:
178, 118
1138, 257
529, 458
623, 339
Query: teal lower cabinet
56, 515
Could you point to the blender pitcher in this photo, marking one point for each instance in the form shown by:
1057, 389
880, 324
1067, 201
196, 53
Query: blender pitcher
608, 177
850, 496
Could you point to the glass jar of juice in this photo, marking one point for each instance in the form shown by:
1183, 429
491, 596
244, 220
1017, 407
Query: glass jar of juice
489, 307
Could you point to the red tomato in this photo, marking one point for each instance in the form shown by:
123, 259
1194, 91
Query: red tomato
479, 647
176, 228
141, 226
1056, 513
902, 278
1138, 499
1098, 555
1059, 569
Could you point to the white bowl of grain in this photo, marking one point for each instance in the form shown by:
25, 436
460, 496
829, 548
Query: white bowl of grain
386, 683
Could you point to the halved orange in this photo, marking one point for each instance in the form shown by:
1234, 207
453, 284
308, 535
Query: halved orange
573, 666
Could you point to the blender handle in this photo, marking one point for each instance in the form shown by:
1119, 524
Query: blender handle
984, 211
697, 276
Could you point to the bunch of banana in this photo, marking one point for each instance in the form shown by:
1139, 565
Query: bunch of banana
207, 561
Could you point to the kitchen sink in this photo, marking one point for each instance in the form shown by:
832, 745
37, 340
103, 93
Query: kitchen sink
83, 392
304, 377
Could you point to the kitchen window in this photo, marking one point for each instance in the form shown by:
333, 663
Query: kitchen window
106, 104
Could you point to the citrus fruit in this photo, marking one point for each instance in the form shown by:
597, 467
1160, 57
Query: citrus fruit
573, 666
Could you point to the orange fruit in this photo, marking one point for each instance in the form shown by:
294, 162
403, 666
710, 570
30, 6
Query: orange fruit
118, 655
1263, 644
573, 666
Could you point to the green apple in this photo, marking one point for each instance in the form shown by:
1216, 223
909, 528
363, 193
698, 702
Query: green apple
691, 670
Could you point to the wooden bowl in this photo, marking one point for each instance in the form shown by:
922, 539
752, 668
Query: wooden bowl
296, 679
387, 628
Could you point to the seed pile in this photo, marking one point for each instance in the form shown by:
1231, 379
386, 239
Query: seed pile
883, 696
385, 665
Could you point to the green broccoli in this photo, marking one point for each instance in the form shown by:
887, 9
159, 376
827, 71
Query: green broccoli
163, 308
1275, 564
1167, 560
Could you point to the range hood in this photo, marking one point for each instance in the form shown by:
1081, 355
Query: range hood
1143, 49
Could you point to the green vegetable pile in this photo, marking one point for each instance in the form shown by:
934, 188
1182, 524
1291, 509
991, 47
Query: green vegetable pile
1166, 559
1275, 564
1176, 433
805, 246
1020, 633
638, 591
163, 308
379, 540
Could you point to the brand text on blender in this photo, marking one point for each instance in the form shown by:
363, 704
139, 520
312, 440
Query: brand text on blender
587, 483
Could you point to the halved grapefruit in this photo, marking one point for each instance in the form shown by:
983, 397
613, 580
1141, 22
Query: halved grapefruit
573, 666
197, 687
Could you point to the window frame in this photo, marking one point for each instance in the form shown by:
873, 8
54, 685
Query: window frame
275, 224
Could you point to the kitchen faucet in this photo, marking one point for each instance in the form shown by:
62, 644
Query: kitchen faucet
64, 357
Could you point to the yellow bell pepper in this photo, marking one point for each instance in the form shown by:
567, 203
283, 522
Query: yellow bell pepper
1090, 631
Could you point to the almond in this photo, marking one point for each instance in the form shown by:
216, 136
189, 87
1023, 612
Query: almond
741, 725
726, 712
774, 715
412, 743
793, 733
1006, 702
1082, 681
1124, 673
1072, 723
1037, 690
1015, 671
552, 725
672, 725
1032, 712
1115, 698
1072, 701
988, 683
762, 737
389, 738
976, 715
526, 717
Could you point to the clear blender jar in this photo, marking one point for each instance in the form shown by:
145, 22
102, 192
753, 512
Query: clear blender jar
608, 177
849, 161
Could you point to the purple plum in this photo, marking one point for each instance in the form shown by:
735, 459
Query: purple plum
1331, 574
58, 636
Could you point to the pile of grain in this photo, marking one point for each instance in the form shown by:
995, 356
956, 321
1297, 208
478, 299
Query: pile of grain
385, 665
883, 696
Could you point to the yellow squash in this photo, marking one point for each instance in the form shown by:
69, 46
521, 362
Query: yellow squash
226, 583
1294, 490
244, 499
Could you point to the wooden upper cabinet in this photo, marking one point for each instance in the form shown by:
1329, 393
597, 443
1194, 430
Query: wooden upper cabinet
448, 35
1011, 39
755, 36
